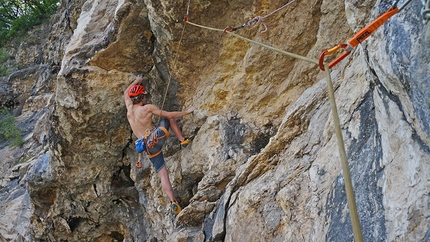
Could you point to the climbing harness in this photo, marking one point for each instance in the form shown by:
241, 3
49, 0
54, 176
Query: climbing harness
148, 141
151, 140
362, 35
256, 20
425, 11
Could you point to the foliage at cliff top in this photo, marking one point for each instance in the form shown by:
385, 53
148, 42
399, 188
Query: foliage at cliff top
9, 132
18, 16
3, 58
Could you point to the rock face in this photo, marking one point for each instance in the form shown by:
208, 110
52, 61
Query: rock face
264, 164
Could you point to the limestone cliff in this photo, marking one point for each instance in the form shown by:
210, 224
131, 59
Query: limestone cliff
264, 164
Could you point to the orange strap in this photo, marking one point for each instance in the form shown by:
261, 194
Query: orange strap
166, 132
155, 141
369, 29
153, 155
359, 37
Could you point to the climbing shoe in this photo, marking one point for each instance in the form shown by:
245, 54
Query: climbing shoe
176, 208
186, 141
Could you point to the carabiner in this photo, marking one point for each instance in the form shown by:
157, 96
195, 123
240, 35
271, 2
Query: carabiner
331, 51
395, 4
229, 29
401, 7
362, 35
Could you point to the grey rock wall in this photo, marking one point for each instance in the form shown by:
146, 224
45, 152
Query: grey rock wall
264, 164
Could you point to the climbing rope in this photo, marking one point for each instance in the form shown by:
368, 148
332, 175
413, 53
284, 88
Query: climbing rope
188, 8
344, 159
348, 47
174, 66
315, 61
350, 197
256, 20
425, 11
362, 35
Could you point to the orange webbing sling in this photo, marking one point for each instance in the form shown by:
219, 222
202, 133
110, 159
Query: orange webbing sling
154, 141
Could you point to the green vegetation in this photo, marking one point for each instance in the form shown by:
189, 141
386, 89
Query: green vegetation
22, 159
18, 16
3, 58
8, 129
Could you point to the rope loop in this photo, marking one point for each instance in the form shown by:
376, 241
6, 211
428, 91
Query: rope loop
256, 20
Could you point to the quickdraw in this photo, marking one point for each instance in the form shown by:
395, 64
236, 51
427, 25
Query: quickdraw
359, 37
355, 221
256, 20
252, 22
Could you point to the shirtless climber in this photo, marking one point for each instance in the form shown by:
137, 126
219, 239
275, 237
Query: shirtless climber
139, 115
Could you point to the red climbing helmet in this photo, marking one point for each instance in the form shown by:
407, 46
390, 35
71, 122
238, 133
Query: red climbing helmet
136, 90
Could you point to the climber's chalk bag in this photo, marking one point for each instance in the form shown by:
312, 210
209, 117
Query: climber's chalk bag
140, 145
